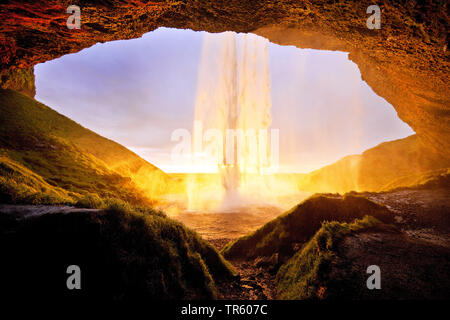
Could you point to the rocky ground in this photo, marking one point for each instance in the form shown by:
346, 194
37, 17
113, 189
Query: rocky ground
411, 261
255, 282
28, 211
419, 211
411, 267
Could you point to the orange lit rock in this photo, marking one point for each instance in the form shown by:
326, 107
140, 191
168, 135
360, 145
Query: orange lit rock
406, 62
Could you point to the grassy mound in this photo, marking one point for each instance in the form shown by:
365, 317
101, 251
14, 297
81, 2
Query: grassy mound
285, 234
333, 265
123, 252
38, 143
303, 276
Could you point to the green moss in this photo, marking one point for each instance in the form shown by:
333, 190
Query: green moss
20, 185
295, 227
91, 201
21, 80
124, 253
67, 156
303, 276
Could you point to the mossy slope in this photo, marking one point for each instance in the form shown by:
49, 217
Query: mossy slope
67, 156
389, 165
285, 234
304, 275
333, 265
124, 253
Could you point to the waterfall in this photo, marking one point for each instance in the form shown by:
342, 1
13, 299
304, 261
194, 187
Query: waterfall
233, 108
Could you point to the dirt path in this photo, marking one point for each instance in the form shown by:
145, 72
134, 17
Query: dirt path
254, 282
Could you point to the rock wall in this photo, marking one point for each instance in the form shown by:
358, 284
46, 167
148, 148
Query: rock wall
21, 80
406, 61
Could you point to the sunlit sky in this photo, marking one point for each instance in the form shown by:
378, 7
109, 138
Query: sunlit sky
137, 92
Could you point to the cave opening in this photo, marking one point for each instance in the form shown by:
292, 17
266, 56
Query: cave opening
138, 92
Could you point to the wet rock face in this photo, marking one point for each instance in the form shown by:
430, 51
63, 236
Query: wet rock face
406, 61
21, 80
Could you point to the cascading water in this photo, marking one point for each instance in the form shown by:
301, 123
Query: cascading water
233, 105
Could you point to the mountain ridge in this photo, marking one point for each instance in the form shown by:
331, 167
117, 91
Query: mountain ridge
71, 157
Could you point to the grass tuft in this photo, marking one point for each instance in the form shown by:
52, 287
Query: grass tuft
304, 275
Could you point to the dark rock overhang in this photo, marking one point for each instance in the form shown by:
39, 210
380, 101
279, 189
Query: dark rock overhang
406, 61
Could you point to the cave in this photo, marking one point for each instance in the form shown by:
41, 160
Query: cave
141, 92
404, 62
